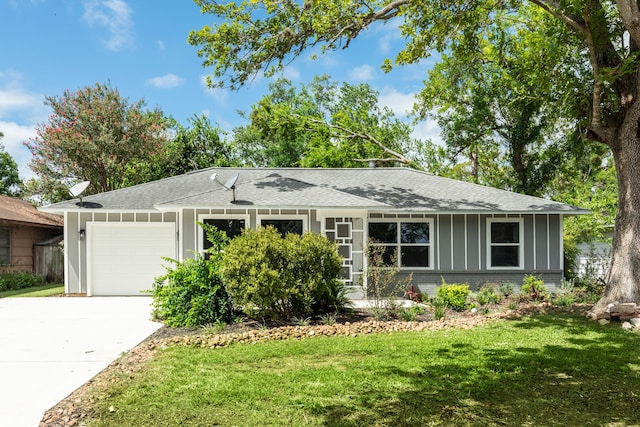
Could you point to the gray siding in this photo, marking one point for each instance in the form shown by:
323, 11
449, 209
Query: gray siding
466, 236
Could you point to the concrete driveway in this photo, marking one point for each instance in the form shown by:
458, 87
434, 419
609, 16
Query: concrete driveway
51, 346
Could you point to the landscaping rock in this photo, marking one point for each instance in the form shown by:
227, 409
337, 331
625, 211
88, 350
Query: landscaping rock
627, 326
603, 321
635, 322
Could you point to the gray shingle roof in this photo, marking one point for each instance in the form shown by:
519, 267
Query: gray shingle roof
377, 189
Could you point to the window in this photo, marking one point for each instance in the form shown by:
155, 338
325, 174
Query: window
284, 226
505, 242
233, 228
409, 241
5, 246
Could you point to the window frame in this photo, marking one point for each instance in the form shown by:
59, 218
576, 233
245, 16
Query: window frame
520, 244
8, 230
202, 218
398, 244
302, 218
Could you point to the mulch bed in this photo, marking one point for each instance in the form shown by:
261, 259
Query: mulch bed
77, 407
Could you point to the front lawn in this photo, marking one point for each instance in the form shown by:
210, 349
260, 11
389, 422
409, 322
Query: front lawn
34, 291
545, 369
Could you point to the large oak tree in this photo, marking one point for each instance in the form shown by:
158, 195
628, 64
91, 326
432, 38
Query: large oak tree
264, 35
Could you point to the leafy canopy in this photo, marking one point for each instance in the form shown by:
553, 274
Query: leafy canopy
94, 134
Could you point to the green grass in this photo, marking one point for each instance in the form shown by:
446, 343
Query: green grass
544, 370
35, 291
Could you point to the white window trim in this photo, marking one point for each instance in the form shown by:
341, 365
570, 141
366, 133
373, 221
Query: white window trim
520, 222
303, 218
398, 244
202, 217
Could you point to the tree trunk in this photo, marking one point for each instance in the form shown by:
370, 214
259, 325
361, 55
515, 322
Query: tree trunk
623, 284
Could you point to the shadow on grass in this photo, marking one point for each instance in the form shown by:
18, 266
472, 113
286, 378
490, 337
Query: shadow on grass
591, 378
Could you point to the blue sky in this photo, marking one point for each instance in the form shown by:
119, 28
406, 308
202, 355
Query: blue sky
141, 48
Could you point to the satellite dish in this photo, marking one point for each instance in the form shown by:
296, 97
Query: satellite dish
231, 185
78, 189
231, 182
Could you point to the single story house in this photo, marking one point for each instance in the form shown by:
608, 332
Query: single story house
23, 228
441, 228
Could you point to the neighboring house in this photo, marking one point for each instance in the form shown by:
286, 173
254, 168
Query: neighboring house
594, 259
23, 230
440, 227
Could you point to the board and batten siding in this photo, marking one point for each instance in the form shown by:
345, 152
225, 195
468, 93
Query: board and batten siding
460, 250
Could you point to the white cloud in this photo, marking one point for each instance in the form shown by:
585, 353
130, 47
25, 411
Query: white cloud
291, 73
20, 110
400, 103
219, 94
14, 137
116, 17
427, 129
362, 73
166, 82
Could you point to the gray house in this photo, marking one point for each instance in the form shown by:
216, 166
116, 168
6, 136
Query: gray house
441, 228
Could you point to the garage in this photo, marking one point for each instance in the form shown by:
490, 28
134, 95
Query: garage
124, 258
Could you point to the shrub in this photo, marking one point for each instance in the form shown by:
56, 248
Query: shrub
533, 288
454, 295
506, 289
278, 278
15, 280
439, 308
192, 293
488, 295
383, 287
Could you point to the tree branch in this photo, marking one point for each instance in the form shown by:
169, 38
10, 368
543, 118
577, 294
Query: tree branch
363, 135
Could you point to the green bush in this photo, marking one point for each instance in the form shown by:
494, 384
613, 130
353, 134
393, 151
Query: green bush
278, 278
488, 295
192, 293
534, 289
454, 295
15, 281
506, 289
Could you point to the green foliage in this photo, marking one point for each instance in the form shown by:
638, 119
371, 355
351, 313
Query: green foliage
15, 281
197, 146
566, 295
440, 307
10, 183
321, 124
454, 295
534, 289
192, 293
411, 314
488, 295
97, 135
274, 277
506, 288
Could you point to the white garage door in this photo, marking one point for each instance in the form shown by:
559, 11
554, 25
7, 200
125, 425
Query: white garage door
124, 258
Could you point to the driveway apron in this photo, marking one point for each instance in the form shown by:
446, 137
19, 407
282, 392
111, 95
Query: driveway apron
51, 346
